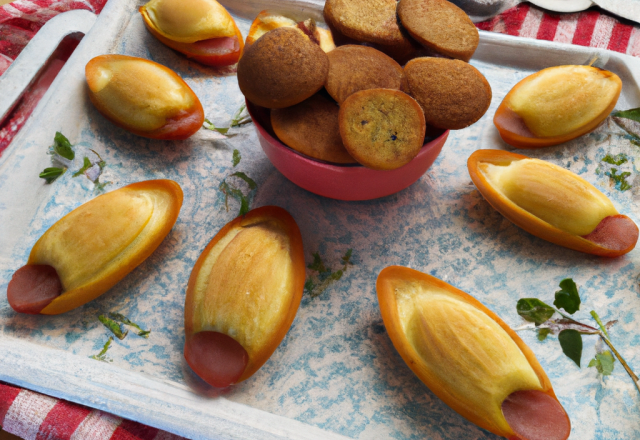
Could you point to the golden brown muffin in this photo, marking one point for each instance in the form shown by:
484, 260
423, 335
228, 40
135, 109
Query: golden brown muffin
354, 68
311, 128
440, 25
382, 129
452, 93
282, 68
373, 21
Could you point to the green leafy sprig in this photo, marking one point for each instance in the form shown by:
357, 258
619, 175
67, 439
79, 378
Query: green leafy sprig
633, 114
102, 356
126, 321
326, 276
113, 326
232, 191
570, 331
239, 118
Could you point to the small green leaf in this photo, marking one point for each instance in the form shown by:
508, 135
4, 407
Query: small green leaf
317, 264
228, 190
603, 362
619, 179
346, 259
238, 119
101, 356
633, 114
209, 126
309, 285
252, 184
62, 146
87, 164
51, 174
568, 298
618, 159
600, 324
336, 275
534, 310
113, 326
571, 343
543, 333
126, 321
236, 157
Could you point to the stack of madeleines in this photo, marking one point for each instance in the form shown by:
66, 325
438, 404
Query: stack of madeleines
355, 103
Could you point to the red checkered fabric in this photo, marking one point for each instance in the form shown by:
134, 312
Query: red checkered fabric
34, 416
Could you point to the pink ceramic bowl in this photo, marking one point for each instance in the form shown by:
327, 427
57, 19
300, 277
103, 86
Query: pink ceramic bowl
342, 182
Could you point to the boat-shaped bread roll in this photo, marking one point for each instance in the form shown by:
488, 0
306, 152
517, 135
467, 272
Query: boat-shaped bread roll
89, 250
243, 294
202, 30
552, 203
143, 97
556, 105
469, 357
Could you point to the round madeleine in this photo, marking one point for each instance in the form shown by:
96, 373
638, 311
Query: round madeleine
128, 224
440, 25
243, 294
556, 105
311, 128
469, 357
143, 97
282, 68
453, 94
552, 203
382, 129
353, 68
372, 21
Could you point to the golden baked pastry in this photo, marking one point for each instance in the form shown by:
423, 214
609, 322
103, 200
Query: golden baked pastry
383, 129
373, 21
452, 93
440, 25
354, 68
311, 128
282, 68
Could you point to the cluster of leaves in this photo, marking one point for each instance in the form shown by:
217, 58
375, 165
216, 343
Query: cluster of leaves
240, 118
114, 323
325, 275
620, 180
233, 191
569, 330
230, 190
63, 155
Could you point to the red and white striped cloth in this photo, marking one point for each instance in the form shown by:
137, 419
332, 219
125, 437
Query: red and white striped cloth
589, 28
34, 416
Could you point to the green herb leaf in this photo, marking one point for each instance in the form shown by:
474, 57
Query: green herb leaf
619, 179
618, 159
633, 114
317, 264
51, 174
209, 126
126, 321
568, 298
228, 190
236, 157
62, 146
603, 362
252, 184
113, 326
101, 356
238, 119
309, 285
543, 333
87, 164
534, 310
571, 343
